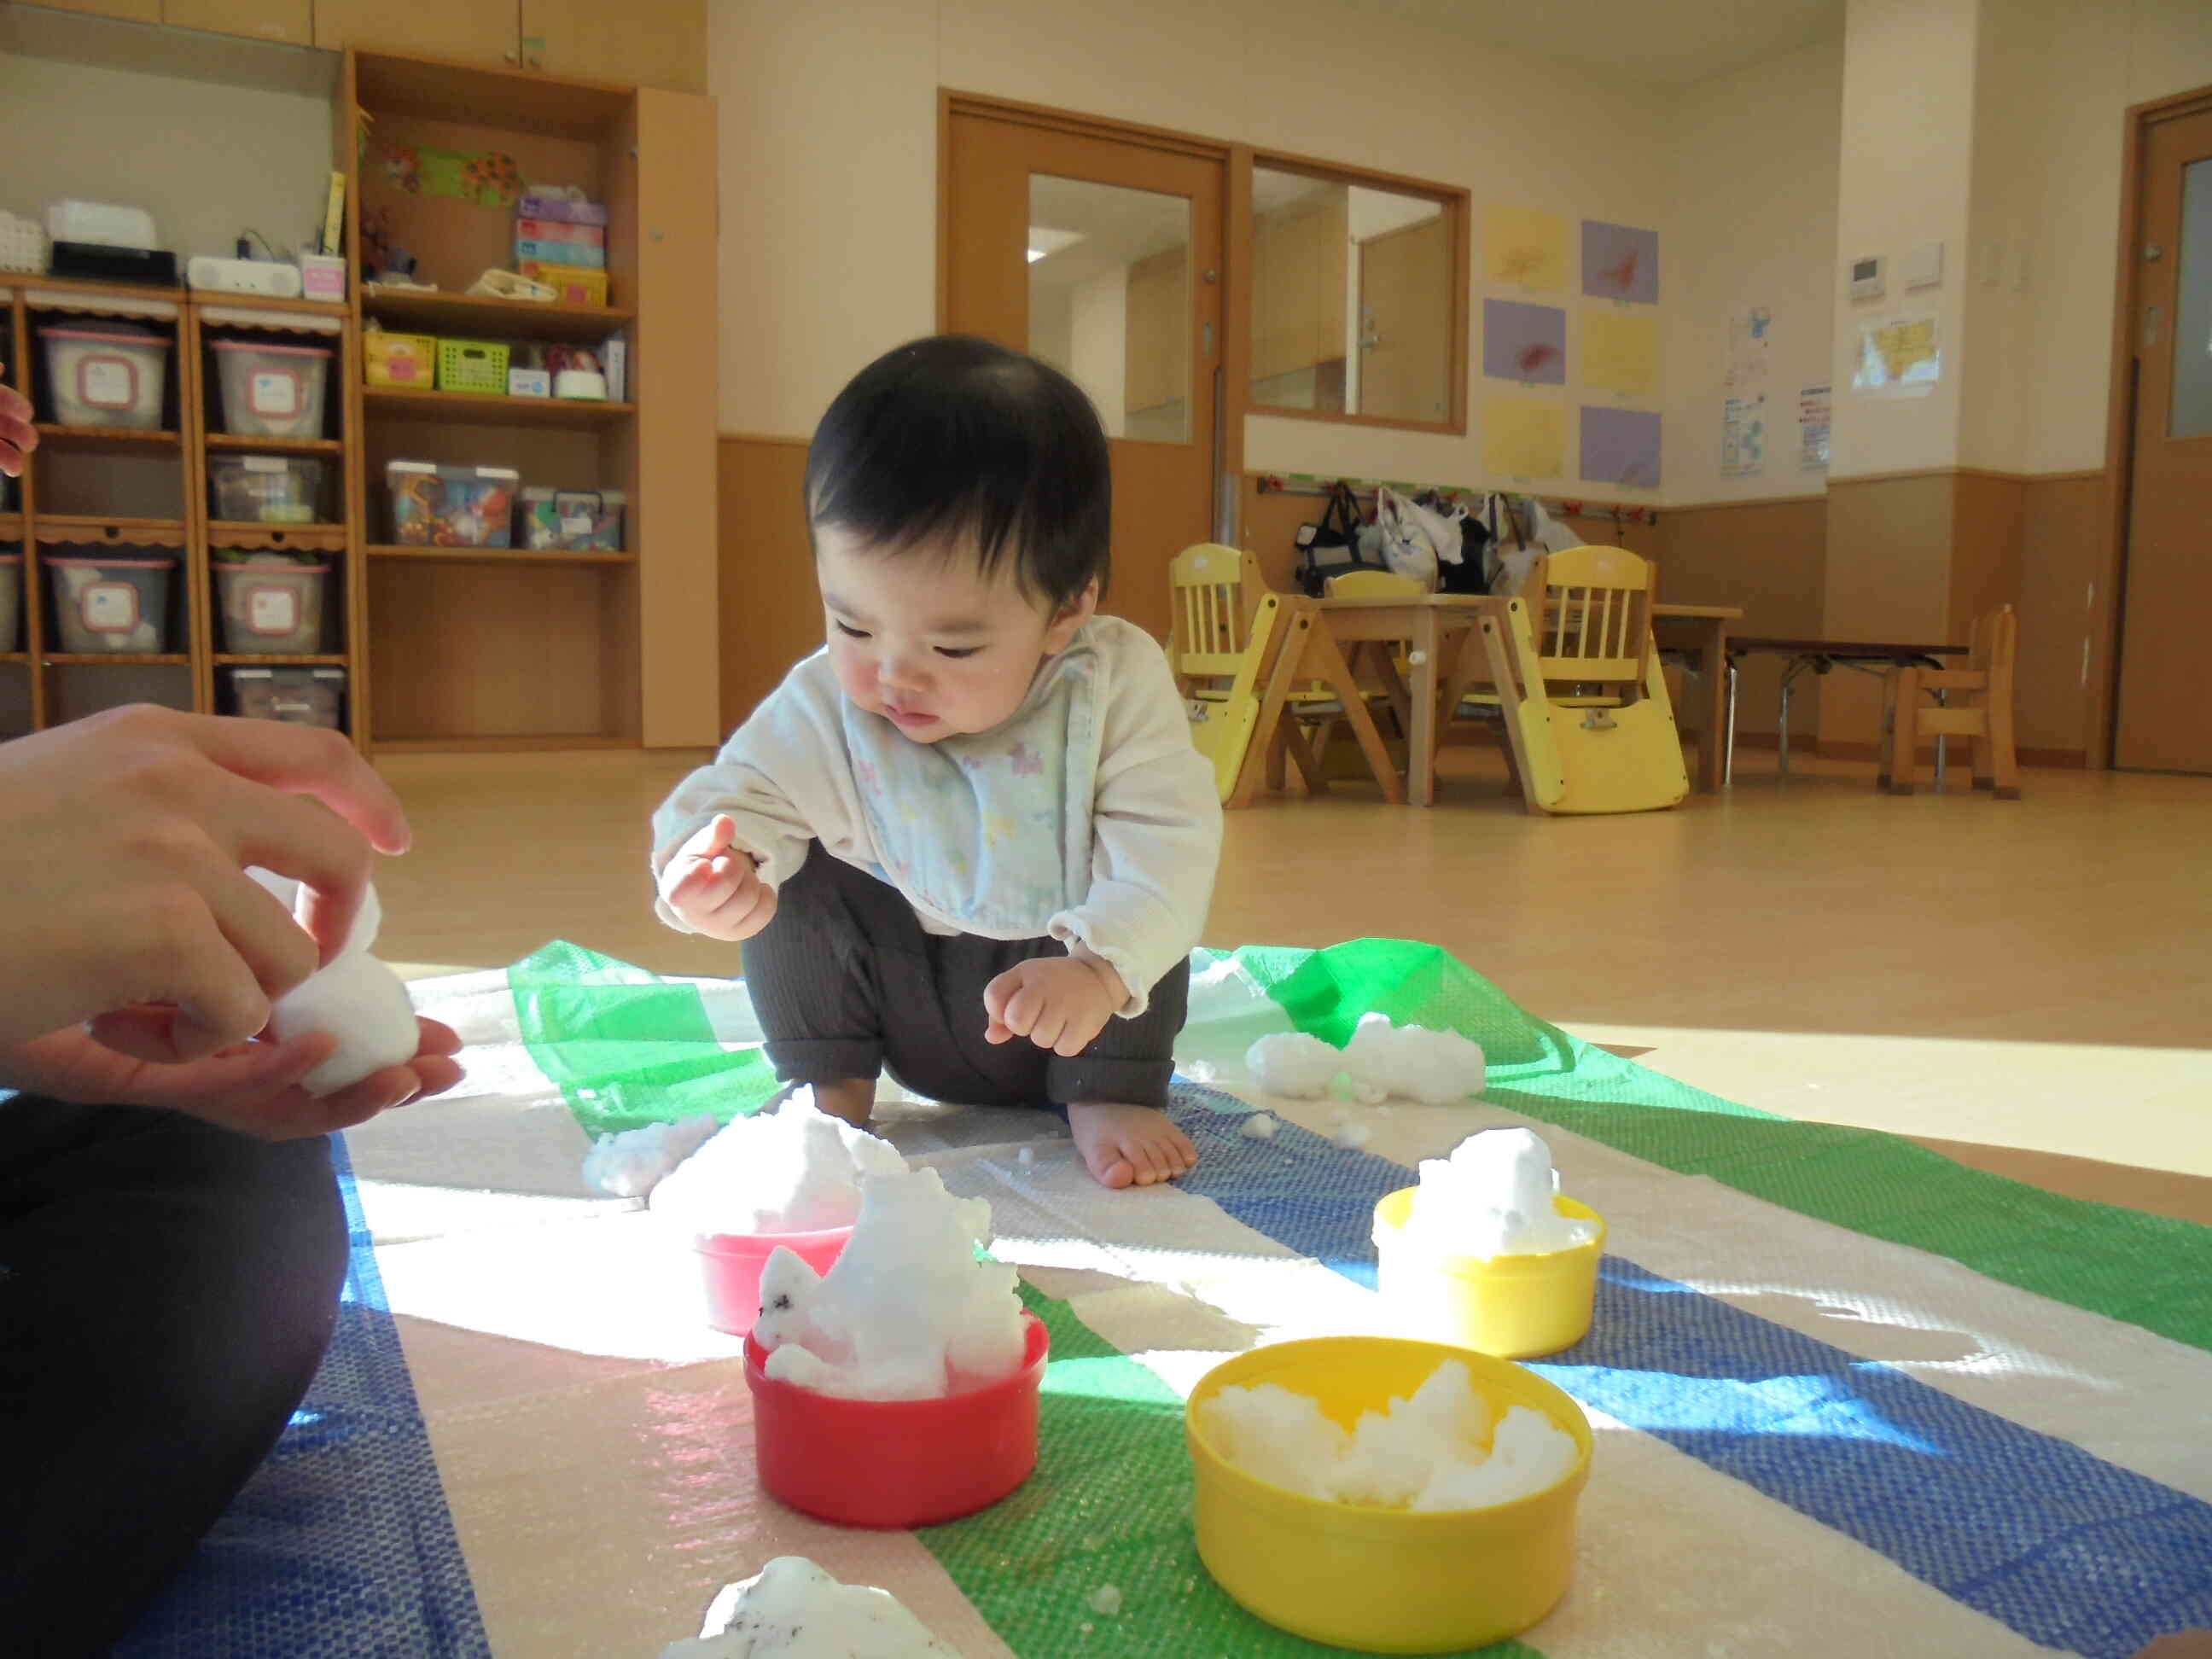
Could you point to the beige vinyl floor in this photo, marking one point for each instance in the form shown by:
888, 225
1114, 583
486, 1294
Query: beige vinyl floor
2024, 986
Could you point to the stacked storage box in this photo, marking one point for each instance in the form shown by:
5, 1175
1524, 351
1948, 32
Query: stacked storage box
561, 239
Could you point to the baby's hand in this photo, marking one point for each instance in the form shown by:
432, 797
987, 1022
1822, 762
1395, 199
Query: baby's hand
1059, 1003
714, 888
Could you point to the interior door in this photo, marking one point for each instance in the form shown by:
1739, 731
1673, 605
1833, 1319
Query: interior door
1404, 322
1102, 256
2164, 719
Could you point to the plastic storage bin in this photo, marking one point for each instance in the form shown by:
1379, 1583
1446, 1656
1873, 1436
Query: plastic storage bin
269, 606
571, 520
1514, 1307
266, 489
472, 366
301, 696
575, 285
112, 602
731, 1265
435, 505
272, 390
11, 600
106, 373
408, 360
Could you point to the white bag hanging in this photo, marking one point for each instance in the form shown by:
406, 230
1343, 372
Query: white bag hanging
1406, 545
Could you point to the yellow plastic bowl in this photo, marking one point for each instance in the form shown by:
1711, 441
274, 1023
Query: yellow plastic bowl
1512, 1306
1383, 1581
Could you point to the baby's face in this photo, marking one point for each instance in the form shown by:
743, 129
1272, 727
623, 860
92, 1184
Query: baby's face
927, 641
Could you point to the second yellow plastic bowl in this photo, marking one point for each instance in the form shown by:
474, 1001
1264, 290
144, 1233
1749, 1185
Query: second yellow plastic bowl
1513, 1306
1383, 1581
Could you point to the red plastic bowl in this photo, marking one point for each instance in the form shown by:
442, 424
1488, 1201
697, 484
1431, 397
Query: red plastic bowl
732, 1263
896, 1462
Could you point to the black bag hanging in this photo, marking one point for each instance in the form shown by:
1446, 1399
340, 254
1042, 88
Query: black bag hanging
1331, 546
1470, 573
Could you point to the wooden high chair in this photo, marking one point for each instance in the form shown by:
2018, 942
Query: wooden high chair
1986, 716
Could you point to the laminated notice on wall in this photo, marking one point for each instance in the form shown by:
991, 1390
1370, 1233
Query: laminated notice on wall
1900, 356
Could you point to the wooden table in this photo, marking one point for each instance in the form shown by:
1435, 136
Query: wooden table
1427, 623
1876, 657
1702, 630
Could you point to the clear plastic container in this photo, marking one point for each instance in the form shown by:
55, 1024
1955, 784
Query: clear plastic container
435, 505
271, 390
266, 489
300, 696
571, 520
268, 606
112, 602
105, 374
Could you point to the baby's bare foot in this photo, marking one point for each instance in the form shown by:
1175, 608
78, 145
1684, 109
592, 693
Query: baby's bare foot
1130, 1145
852, 1098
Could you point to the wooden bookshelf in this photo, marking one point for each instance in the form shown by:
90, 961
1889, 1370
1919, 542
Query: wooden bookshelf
479, 650
222, 443
105, 437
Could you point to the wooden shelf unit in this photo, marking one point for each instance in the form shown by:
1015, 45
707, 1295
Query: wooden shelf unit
75, 493
476, 650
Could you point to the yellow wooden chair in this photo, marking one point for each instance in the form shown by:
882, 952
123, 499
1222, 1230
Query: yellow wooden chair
1217, 592
1221, 727
1986, 716
1583, 695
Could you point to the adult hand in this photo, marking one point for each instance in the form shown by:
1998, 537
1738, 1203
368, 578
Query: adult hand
714, 887
18, 436
253, 1088
128, 833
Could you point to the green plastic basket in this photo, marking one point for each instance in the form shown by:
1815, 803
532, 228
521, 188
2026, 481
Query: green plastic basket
472, 366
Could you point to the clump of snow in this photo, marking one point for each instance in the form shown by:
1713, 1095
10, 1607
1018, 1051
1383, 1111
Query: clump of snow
908, 1312
1107, 1599
1425, 1452
359, 1001
797, 1170
791, 1609
1493, 1197
1261, 1126
1382, 1062
631, 1162
1352, 1134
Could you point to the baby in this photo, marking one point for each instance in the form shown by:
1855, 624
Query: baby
968, 839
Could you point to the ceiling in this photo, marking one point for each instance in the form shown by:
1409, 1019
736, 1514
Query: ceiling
1662, 43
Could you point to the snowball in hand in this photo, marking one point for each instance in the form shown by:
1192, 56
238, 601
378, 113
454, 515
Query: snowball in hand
1422, 1453
796, 1169
363, 1004
791, 1609
367, 922
908, 1312
1493, 1197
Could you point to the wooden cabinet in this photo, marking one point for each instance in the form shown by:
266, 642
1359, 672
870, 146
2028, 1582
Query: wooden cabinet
488, 31
292, 21
648, 43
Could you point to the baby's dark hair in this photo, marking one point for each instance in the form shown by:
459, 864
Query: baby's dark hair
957, 437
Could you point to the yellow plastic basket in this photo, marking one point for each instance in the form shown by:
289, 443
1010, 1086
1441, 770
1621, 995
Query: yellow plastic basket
408, 360
472, 366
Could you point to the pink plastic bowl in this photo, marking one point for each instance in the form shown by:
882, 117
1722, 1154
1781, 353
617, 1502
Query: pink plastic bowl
896, 1462
732, 1263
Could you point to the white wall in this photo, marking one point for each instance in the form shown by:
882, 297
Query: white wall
207, 160
1756, 155
829, 248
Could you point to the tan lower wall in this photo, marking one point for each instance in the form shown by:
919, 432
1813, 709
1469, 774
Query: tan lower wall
1768, 559
1889, 579
2058, 528
770, 615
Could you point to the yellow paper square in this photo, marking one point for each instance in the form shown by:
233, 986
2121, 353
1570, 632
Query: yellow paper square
1524, 246
1620, 351
1524, 437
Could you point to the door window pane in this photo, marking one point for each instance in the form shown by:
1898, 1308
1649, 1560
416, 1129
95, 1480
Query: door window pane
2192, 333
1110, 300
1352, 299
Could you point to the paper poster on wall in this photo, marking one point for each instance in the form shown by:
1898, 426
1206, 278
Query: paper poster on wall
1524, 246
1620, 446
1743, 436
1813, 411
1620, 351
1524, 342
1898, 356
1524, 437
1750, 329
1620, 262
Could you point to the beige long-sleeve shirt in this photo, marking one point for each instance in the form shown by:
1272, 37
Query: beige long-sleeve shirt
1087, 815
